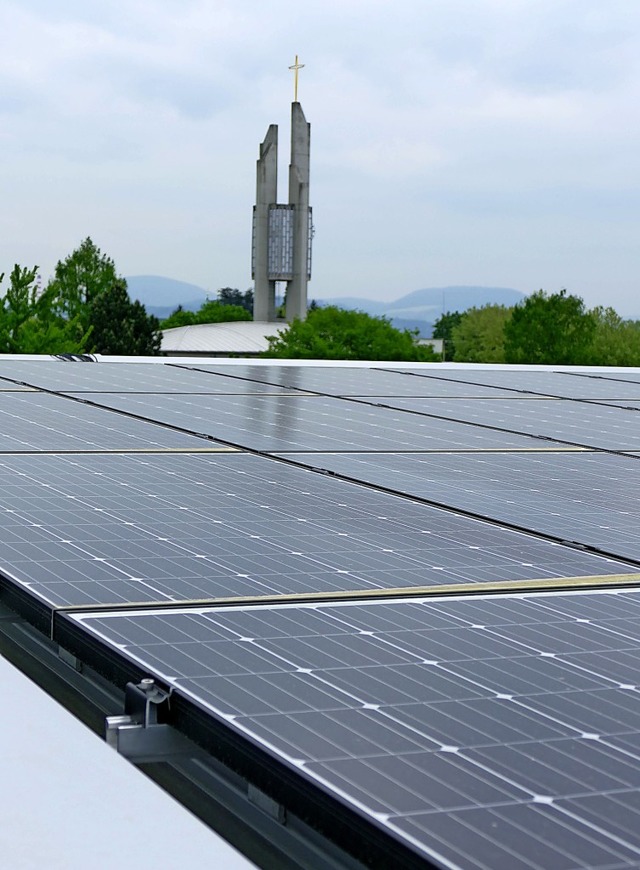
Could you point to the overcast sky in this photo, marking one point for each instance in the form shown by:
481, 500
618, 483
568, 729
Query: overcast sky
489, 142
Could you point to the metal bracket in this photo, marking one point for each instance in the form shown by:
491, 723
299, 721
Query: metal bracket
138, 735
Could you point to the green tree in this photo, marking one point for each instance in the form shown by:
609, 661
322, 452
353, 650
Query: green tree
213, 311
616, 342
28, 322
121, 326
233, 296
443, 328
333, 333
179, 317
210, 311
549, 329
79, 280
88, 294
479, 336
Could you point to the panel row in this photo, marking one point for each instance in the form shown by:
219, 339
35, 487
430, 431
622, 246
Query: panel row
484, 733
81, 530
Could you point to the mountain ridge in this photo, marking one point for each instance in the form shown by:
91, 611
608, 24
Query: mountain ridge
418, 309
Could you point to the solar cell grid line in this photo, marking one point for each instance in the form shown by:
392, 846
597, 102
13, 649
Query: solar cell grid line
584, 497
290, 422
482, 732
34, 421
559, 384
105, 529
341, 381
141, 377
595, 425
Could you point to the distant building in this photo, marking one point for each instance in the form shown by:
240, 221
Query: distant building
281, 244
237, 338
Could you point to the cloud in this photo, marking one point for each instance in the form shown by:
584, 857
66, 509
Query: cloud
141, 122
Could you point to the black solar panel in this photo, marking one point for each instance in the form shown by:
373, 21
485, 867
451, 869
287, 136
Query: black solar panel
107, 529
606, 427
298, 422
475, 730
587, 497
486, 733
34, 421
575, 384
121, 378
347, 381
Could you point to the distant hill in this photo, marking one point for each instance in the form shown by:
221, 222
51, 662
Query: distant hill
417, 310
161, 296
420, 309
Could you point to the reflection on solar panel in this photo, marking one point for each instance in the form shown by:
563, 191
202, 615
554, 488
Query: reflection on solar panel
298, 422
397, 609
341, 381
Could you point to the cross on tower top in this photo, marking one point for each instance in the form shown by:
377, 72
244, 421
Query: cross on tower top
296, 67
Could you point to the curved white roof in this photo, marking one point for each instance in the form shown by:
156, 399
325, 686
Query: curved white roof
244, 336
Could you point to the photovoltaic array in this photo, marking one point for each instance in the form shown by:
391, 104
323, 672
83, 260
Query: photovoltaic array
412, 592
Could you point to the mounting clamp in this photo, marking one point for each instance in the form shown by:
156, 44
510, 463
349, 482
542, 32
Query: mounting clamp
138, 735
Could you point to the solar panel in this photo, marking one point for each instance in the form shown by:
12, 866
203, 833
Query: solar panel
485, 733
299, 422
343, 381
34, 421
121, 378
602, 376
602, 426
106, 529
343, 628
586, 497
575, 384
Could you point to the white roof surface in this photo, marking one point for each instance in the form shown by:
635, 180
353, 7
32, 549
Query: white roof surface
70, 802
243, 336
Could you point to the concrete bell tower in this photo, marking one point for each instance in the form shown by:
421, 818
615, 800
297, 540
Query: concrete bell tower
281, 249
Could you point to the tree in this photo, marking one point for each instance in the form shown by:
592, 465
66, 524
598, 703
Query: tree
549, 329
479, 336
28, 322
121, 326
79, 280
87, 293
333, 333
179, 317
210, 311
616, 342
232, 296
218, 312
443, 328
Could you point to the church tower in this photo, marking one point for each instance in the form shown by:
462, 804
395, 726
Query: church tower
281, 247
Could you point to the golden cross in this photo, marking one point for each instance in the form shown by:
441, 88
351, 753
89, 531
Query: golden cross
296, 66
